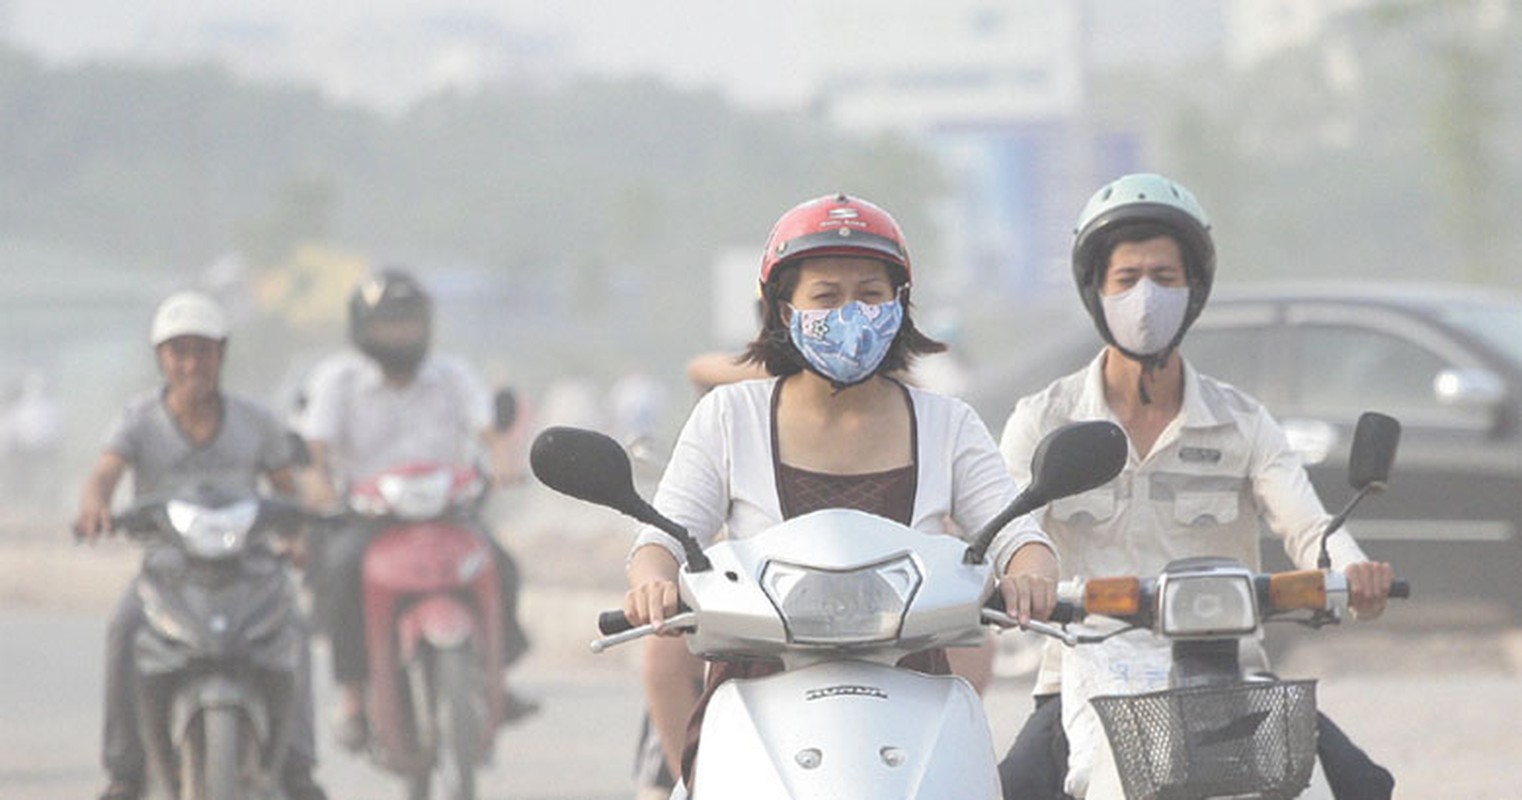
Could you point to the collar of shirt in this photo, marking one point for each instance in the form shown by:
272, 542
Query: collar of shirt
1195, 411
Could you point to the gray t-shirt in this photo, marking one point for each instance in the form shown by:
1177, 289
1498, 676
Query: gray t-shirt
249, 443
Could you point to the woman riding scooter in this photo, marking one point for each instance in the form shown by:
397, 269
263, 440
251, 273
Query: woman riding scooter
830, 429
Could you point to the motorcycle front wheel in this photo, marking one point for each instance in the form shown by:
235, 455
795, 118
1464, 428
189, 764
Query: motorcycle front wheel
211, 761
459, 702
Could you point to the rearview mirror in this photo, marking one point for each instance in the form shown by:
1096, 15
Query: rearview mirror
591, 466
1074, 458
1375, 440
586, 465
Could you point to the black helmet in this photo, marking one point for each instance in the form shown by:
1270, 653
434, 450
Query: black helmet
390, 294
1142, 199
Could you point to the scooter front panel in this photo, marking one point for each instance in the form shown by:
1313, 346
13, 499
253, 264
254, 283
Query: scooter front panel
847, 729
423, 557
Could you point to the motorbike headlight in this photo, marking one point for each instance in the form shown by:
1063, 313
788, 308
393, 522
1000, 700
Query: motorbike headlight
1208, 604
423, 496
842, 606
213, 532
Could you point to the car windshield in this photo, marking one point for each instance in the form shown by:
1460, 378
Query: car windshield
1498, 326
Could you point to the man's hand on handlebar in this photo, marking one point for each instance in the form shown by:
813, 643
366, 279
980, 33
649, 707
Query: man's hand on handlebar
1368, 588
92, 523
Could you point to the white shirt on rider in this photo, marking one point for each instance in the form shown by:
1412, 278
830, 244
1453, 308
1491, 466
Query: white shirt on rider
370, 425
1221, 465
721, 472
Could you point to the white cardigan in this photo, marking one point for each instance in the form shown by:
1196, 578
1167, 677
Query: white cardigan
721, 473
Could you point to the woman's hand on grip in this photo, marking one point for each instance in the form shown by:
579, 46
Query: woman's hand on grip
651, 602
652, 595
1029, 583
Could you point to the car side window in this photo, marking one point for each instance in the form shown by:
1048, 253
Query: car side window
1342, 370
1230, 354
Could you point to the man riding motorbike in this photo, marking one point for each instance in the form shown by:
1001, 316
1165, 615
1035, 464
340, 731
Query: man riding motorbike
1207, 461
187, 432
390, 403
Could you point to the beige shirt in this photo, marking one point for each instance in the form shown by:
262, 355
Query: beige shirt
1219, 468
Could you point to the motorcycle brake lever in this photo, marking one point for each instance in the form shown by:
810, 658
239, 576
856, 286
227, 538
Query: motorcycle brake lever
1058, 632
684, 622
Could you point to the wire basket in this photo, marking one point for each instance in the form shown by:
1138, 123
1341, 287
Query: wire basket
1252, 739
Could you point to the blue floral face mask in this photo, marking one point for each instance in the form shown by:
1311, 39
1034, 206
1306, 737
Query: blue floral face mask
846, 344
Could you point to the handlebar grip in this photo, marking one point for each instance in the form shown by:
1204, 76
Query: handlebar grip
611, 622
1400, 589
1064, 612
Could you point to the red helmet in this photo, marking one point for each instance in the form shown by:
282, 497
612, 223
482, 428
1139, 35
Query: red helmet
834, 225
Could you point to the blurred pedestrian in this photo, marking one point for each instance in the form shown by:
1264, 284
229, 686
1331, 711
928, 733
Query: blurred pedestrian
31, 445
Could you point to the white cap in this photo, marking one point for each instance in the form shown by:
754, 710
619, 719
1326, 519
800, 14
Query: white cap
188, 314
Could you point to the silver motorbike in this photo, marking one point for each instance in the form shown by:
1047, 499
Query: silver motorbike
218, 661
838, 597
1212, 726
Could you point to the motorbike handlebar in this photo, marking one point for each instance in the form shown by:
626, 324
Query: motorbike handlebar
614, 622
1064, 612
1400, 589
611, 622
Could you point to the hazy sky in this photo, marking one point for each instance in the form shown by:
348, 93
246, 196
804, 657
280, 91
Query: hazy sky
750, 48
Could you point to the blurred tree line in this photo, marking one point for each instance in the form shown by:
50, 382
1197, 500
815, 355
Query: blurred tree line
1389, 147
605, 201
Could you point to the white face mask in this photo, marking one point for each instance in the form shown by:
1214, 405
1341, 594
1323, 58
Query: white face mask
1145, 318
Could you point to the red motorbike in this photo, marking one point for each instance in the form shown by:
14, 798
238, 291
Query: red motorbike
433, 626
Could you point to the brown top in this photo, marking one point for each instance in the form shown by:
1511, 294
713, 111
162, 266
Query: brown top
888, 494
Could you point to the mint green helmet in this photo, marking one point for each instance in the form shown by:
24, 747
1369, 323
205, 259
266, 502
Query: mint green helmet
1136, 199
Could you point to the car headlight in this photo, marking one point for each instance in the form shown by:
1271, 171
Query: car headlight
855, 606
213, 532
423, 496
1220, 602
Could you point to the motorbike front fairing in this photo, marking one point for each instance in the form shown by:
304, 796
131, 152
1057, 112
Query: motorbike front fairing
839, 596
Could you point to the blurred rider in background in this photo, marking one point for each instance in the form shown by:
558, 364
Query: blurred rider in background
389, 402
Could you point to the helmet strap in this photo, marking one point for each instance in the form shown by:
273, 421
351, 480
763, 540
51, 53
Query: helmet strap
1150, 364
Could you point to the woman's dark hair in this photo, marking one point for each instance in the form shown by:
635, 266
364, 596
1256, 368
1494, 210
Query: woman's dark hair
773, 347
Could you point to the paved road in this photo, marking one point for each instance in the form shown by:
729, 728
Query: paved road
1444, 710
577, 749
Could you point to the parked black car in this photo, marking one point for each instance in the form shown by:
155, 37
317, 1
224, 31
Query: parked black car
1445, 360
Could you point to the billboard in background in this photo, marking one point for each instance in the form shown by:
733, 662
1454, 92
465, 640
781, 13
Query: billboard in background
1017, 190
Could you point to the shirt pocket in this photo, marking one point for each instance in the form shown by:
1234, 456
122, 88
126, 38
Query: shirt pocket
1203, 509
1085, 510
